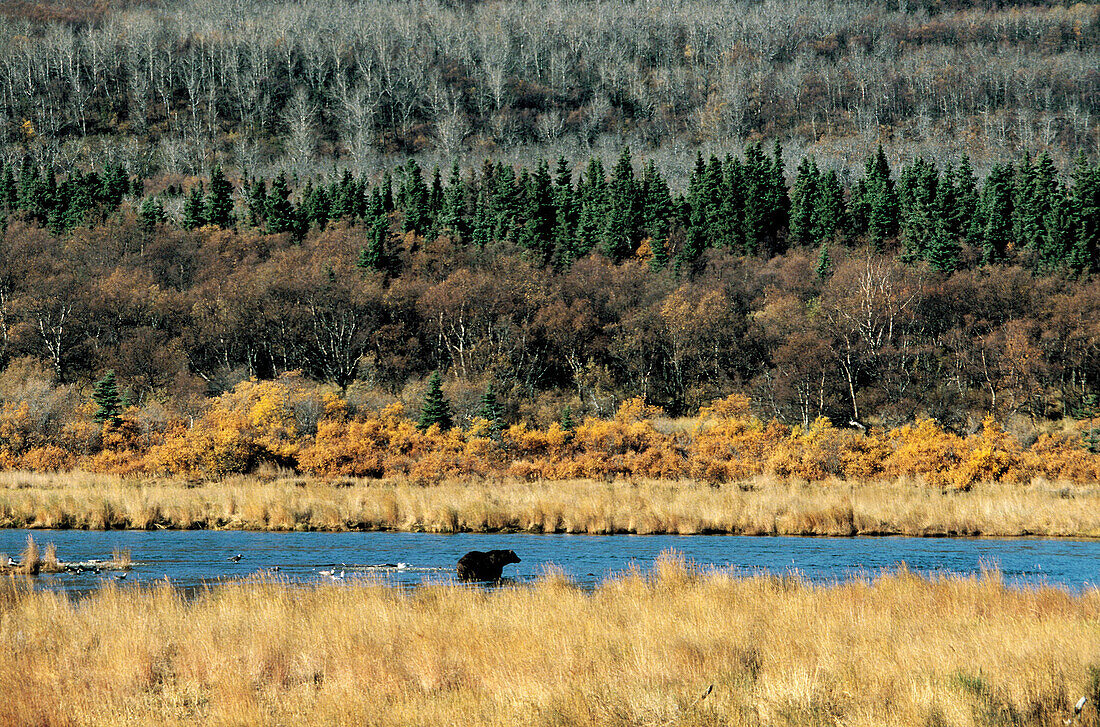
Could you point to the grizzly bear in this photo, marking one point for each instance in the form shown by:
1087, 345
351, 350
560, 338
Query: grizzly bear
478, 566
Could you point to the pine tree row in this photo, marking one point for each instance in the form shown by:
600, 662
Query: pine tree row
1023, 212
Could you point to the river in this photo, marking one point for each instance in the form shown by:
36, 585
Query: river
189, 559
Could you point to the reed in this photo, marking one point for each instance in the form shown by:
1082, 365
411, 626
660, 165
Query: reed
758, 506
673, 645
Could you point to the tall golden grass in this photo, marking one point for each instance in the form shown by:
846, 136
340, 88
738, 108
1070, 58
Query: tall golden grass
672, 646
760, 506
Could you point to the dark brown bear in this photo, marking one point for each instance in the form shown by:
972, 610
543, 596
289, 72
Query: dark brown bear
478, 566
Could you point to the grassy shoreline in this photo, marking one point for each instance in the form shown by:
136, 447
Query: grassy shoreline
759, 506
669, 646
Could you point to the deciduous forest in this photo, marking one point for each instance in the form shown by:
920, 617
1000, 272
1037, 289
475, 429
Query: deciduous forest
882, 219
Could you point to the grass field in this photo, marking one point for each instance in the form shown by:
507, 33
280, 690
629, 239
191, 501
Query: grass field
668, 646
760, 506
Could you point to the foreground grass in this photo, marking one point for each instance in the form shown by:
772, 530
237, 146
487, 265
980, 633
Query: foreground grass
642, 649
761, 506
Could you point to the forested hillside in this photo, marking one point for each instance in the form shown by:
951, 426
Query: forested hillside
870, 214
905, 293
168, 86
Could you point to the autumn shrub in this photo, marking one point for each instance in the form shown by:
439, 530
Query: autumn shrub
48, 458
992, 456
924, 449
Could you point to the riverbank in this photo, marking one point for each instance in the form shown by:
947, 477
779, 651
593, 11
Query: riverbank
756, 506
671, 646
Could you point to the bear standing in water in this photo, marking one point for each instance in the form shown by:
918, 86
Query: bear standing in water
478, 566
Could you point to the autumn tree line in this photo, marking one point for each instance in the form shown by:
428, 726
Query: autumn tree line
909, 293
300, 85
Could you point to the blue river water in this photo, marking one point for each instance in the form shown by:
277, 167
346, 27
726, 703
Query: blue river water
189, 559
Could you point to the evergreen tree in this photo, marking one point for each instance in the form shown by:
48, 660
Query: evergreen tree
507, 203
565, 216
618, 236
830, 215
436, 409
1059, 227
567, 422
539, 214
105, 395
343, 198
257, 203
997, 214
804, 203
1084, 256
413, 199
194, 208
151, 213
452, 213
881, 201
965, 220
489, 409
219, 200
9, 192
280, 215
375, 256
593, 206
918, 188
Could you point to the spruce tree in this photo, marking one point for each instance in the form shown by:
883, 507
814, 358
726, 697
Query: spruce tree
997, 214
151, 213
257, 203
567, 422
342, 197
219, 200
436, 409
565, 216
881, 200
618, 236
9, 193
105, 395
804, 202
593, 206
280, 215
1085, 253
452, 213
539, 215
830, 215
194, 208
490, 409
413, 199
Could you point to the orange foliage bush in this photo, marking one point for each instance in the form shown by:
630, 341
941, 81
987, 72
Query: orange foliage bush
294, 424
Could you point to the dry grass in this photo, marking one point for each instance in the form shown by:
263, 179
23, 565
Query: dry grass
641, 650
762, 506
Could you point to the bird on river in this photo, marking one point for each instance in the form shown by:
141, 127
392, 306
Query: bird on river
235, 558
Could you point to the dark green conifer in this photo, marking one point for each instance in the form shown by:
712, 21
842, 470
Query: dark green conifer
105, 395
619, 234
452, 213
280, 215
804, 203
194, 208
436, 409
257, 203
997, 214
491, 410
219, 200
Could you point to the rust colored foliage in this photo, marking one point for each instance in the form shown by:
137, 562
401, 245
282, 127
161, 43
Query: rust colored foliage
295, 425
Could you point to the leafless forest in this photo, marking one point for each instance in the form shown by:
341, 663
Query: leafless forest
307, 85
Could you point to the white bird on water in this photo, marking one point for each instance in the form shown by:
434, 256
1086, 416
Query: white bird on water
337, 577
